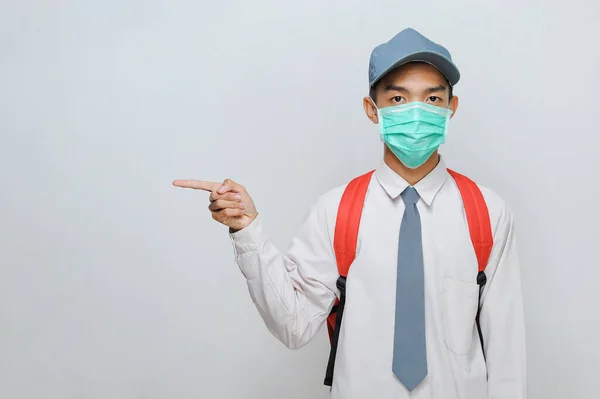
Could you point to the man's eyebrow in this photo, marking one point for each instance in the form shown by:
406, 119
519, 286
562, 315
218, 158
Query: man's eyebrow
436, 89
393, 87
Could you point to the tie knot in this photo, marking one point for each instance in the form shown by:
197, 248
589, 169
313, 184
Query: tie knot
410, 195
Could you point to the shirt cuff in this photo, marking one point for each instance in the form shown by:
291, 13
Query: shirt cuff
250, 238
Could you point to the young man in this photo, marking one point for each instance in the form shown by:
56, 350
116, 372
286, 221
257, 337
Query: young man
409, 323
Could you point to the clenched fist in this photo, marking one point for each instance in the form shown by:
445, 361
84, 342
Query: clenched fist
230, 203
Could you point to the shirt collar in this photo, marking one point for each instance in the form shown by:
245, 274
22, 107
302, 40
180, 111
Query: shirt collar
427, 187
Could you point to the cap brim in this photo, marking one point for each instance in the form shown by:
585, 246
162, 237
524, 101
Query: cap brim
441, 63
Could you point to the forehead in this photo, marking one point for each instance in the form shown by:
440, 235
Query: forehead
414, 73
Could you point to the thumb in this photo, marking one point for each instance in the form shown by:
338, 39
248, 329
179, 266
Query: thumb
230, 185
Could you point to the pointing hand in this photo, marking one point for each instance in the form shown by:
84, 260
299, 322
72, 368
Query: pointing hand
230, 203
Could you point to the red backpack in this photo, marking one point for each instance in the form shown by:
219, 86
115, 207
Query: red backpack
346, 235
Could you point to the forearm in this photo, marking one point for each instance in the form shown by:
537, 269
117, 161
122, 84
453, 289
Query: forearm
503, 324
505, 354
293, 303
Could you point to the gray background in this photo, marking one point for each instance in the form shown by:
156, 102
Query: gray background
113, 284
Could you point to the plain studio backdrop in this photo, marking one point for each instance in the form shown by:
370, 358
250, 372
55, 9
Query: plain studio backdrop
114, 284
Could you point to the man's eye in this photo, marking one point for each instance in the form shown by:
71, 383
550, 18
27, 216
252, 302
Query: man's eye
434, 99
397, 99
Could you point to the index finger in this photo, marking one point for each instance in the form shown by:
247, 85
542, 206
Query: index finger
197, 185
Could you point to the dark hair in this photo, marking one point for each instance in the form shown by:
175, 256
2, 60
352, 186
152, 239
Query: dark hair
373, 90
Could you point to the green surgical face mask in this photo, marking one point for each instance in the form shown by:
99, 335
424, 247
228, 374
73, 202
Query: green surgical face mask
413, 131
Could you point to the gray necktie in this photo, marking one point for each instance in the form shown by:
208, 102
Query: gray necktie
410, 359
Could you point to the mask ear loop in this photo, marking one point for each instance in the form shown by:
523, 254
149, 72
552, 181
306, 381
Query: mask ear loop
375, 105
379, 120
376, 108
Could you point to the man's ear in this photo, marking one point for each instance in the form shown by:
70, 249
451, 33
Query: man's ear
453, 106
370, 110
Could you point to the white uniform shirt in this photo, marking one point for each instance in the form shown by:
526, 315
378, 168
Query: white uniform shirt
294, 292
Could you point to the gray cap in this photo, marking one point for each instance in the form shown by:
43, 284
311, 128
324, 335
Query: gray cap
409, 46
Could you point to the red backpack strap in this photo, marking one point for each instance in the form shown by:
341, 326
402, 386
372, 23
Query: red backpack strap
348, 221
345, 238
478, 218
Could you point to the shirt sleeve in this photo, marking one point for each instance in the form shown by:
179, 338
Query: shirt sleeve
502, 319
293, 291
